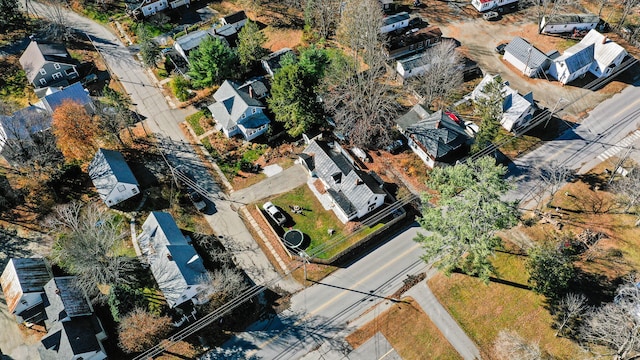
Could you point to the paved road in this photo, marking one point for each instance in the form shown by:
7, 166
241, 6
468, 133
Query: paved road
578, 148
323, 313
164, 122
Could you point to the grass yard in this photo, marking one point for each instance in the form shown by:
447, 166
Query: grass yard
410, 331
315, 222
483, 310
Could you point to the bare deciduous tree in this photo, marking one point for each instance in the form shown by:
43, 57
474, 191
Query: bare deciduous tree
568, 311
442, 76
551, 8
361, 103
141, 329
615, 326
322, 16
628, 6
509, 345
359, 29
88, 241
222, 285
553, 176
627, 190
57, 26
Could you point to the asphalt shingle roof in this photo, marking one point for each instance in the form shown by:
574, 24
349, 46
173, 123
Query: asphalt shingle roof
39, 53
438, 134
231, 104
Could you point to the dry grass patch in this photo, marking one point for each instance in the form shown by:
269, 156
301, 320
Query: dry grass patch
278, 38
409, 330
483, 310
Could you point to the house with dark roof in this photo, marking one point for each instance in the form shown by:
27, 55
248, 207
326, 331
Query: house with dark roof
567, 23
435, 138
73, 330
47, 64
175, 264
395, 22
237, 20
412, 42
23, 281
75, 92
575, 62
607, 55
271, 62
112, 177
526, 57
517, 110
352, 192
147, 8
237, 111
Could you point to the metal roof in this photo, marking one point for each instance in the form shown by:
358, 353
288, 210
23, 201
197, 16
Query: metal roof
577, 57
528, 54
65, 299
605, 50
22, 276
399, 17
560, 19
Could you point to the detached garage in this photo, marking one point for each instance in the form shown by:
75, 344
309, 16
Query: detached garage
526, 57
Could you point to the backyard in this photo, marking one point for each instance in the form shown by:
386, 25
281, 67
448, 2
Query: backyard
316, 222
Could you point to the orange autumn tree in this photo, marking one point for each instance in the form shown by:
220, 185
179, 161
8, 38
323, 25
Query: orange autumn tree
75, 131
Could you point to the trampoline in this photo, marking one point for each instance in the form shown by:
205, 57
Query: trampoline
293, 238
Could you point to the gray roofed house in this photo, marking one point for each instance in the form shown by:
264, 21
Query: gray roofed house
575, 62
46, 64
237, 111
237, 20
352, 193
435, 138
73, 331
271, 62
566, 23
517, 110
187, 43
112, 177
75, 92
22, 282
607, 54
526, 57
175, 264
395, 22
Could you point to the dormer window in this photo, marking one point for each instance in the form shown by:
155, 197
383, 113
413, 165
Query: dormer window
56, 66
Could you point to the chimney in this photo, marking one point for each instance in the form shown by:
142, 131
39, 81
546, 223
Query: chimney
359, 181
604, 40
251, 91
169, 257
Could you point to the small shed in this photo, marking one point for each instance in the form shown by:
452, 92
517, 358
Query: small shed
525, 57
23, 281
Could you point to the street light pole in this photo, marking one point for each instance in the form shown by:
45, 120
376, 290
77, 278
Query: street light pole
554, 110
526, 67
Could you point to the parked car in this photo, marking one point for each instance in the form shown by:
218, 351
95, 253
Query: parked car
91, 78
197, 200
274, 213
491, 16
394, 146
500, 48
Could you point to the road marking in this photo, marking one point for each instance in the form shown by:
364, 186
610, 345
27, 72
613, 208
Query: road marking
334, 299
617, 114
614, 150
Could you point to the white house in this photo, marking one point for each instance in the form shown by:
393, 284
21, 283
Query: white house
559, 24
238, 112
175, 264
74, 332
525, 57
607, 54
435, 138
575, 62
112, 177
486, 5
517, 110
151, 7
23, 281
351, 192
412, 66
395, 22
237, 20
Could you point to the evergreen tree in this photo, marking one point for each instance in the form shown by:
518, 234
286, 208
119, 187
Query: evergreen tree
211, 63
250, 41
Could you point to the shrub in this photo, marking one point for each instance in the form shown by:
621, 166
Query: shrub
180, 87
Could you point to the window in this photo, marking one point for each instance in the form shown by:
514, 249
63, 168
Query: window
244, 116
57, 76
253, 111
43, 71
56, 66
134, 190
372, 206
121, 188
70, 71
43, 82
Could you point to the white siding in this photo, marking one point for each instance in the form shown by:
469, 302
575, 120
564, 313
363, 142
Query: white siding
421, 154
521, 66
120, 193
395, 26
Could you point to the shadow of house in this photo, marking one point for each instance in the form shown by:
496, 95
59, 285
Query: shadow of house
435, 138
271, 62
112, 177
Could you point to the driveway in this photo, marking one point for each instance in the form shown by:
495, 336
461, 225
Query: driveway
279, 183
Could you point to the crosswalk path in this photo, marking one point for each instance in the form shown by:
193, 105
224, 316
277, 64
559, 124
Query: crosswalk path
624, 143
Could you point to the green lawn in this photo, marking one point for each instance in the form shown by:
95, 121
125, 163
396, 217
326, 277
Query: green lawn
315, 222
194, 122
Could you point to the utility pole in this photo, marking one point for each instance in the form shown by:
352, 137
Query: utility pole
554, 110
